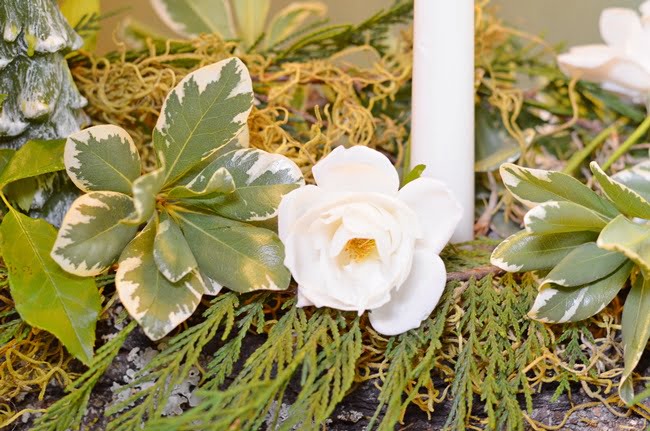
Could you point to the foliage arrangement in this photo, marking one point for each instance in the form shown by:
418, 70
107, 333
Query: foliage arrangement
478, 357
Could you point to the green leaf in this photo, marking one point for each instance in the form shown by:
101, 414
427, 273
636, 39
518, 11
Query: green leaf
219, 245
261, 180
493, 144
629, 238
585, 264
414, 174
534, 186
636, 178
207, 109
556, 217
289, 20
189, 18
171, 251
208, 182
102, 158
527, 252
636, 332
560, 304
33, 159
92, 235
46, 296
251, 19
625, 199
145, 190
153, 301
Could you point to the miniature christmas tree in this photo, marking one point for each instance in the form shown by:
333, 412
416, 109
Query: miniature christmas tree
38, 98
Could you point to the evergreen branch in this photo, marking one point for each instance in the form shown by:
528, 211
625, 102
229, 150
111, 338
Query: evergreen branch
68, 412
171, 367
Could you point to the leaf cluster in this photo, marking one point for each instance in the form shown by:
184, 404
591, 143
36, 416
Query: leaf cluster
585, 248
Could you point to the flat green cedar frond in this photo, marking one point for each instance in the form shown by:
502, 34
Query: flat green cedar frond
68, 412
171, 367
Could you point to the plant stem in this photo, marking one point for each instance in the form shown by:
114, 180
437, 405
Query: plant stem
580, 156
633, 139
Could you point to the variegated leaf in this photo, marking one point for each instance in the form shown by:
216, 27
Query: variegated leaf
102, 158
636, 178
289, 20
205, 111
585, 264
628, 238
92, 235
145, 190
46, 296
171, 251
189, 18
251, 18
212, 287
636, 332
261, 180
207, 183
534, 186
626, 200
151, 299
527, 252
560, 304
219, 245
556, 217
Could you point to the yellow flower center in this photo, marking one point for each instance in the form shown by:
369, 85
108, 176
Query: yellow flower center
360, 248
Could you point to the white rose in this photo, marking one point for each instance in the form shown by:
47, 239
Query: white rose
356, 242
622, 64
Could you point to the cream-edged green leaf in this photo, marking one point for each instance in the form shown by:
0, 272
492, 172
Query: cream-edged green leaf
560, 304
585, 264
251, 18
211, 286
33, 159
171, 251
534, 186
92, 236
189, 18
636, 178
219, 245
626, 200
636, 332
261, 180
46, 296
524, 251
629, 238
290, 18
102, 158
563, 216
144, 192
204, 112
157, 304
205, 184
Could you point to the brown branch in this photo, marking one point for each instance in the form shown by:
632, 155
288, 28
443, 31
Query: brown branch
477, 273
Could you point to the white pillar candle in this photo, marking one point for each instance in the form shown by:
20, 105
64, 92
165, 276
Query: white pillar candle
442, 131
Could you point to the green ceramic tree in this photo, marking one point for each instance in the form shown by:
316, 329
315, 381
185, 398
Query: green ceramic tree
38, 98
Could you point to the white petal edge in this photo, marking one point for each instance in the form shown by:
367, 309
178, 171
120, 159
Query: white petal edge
357, 169
436, 207
416, 298
616, 24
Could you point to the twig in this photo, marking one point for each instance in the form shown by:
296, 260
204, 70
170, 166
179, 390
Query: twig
477, 273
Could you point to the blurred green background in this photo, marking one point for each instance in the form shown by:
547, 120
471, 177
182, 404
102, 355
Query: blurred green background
571, 21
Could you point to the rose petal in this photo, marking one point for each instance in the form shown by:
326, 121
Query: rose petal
358, 169
637, 48
294, 204
615, 25
628, 93
629, 74
415, 299
437, 208
585, 59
